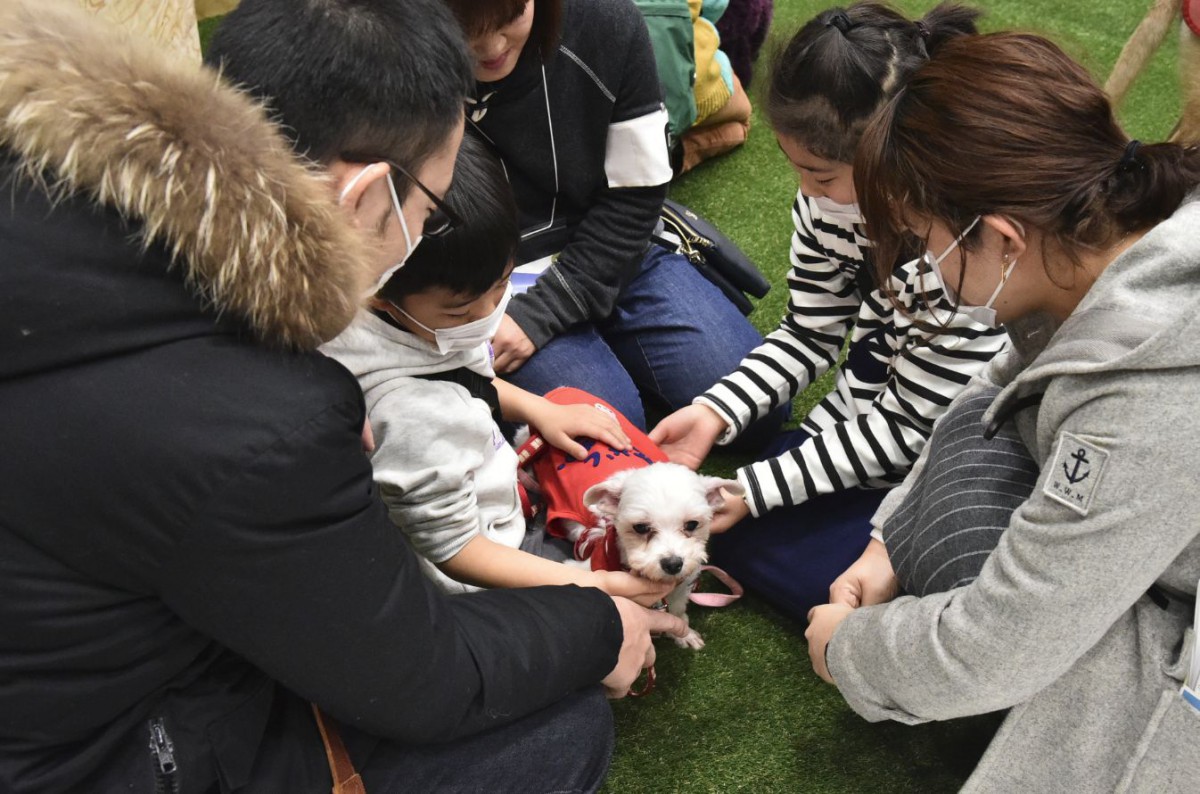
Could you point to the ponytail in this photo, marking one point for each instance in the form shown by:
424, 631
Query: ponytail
944, 22
1150, 181
844, 63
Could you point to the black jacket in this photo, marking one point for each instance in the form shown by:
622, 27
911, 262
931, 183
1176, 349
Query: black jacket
552, 123
190, 540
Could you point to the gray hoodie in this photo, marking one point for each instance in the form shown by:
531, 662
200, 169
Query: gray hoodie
1058, 626
442, 465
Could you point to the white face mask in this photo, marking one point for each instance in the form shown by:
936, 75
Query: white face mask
985, 314
470, 335
842, 214
409, 243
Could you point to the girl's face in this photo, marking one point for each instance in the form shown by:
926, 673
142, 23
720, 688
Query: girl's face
819, 177
496, 51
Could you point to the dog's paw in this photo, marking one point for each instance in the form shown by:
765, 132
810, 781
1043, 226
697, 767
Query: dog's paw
692, 640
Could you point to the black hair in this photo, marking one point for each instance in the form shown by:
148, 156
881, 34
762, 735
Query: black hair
484, 16
387, 77
843, 64
469, 259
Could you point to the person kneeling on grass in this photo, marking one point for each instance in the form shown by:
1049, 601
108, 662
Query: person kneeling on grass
193, 550
423, 358
1004, 156
806, 515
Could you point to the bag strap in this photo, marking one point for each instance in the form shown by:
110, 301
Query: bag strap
477, 385
346, 779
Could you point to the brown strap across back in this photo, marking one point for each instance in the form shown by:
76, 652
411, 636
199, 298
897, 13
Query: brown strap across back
345, 779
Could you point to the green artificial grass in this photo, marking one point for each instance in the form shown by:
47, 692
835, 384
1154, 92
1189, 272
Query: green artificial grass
747, 713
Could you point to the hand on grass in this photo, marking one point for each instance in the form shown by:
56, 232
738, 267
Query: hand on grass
869, 580
688, 434
822, 623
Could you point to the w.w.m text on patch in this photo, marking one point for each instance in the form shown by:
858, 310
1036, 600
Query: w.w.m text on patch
1075, 473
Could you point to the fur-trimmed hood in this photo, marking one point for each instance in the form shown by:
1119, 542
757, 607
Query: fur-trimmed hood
191, 164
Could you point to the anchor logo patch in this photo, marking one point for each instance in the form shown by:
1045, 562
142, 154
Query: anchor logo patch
1075, 473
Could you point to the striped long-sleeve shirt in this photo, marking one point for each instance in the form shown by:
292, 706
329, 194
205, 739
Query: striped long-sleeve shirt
898, 379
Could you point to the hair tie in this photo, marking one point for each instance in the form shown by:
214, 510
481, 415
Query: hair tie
841, 21
1129, 158
922, 29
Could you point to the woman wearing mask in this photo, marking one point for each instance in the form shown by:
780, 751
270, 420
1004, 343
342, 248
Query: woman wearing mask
1003, 155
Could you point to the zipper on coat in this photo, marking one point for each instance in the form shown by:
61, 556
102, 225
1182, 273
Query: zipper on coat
166, 771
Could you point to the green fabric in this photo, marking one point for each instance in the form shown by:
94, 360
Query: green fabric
670, 24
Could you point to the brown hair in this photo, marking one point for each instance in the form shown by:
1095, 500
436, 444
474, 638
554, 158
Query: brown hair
1008, 124
483, 16
846, 62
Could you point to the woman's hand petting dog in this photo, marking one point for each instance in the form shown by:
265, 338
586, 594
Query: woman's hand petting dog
636, 588
869, 580
637, 648
688, 434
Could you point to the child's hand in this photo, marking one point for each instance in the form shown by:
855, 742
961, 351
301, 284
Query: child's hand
635, 588
688, 434
733, 511
560, 425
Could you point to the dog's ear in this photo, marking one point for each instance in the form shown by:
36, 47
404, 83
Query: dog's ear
713, 487
604, 497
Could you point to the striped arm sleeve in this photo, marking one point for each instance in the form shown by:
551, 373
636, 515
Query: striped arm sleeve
931, 363
822, 301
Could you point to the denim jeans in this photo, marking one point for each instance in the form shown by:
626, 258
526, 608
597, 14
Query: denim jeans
671, 336
791, 555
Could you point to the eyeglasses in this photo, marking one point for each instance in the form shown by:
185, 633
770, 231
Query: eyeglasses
443, 218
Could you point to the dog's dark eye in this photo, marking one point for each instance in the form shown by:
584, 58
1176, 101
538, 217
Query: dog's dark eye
641, 529
691, 526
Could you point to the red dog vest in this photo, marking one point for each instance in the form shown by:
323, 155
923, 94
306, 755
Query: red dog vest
563, 480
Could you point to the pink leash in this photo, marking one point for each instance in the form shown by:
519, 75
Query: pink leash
718, 599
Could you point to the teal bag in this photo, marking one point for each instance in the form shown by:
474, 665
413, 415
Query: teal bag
671, 35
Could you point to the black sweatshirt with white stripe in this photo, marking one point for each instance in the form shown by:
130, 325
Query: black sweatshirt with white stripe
582, 135
903, 368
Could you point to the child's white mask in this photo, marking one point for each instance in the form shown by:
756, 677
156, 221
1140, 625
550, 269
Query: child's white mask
409, 243
842, 214
985, 314
470, 335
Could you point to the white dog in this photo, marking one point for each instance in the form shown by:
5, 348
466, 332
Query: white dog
660, 514
644, 514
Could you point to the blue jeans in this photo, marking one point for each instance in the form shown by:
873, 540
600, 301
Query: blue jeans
791, 555
671, 336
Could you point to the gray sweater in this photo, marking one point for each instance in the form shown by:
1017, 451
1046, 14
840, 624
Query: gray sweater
443, 468
1058, 625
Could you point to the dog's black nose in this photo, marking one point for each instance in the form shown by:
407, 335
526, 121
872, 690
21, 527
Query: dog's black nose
671, 565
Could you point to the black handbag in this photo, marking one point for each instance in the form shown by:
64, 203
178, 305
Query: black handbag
680, 230
712, 253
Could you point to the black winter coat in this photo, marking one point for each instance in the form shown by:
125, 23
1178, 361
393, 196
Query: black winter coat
191, 545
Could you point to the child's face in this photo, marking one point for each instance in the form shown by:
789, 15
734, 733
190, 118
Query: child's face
438, 307
819, 177
496, 52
